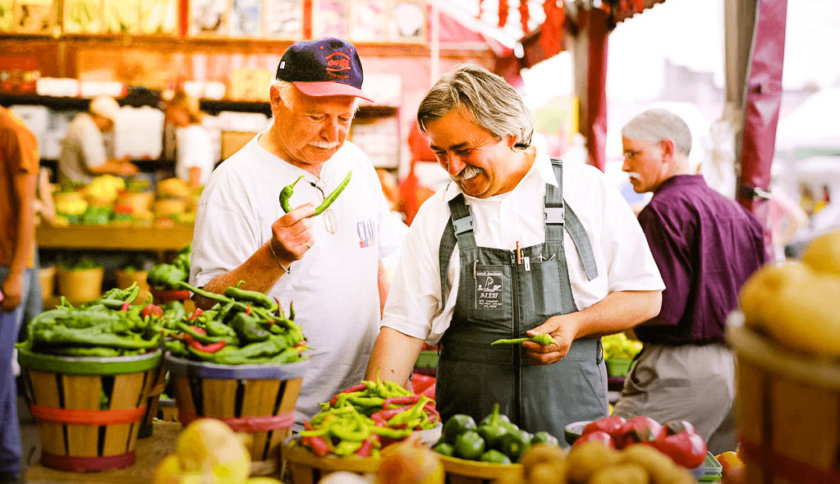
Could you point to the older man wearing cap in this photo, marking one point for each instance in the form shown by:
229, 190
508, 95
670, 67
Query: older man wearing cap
328, 264
83, 151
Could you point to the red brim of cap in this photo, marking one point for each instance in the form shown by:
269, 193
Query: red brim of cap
327, 88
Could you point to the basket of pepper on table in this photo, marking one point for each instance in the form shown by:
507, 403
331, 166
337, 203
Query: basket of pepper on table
240, 362
352, 428
87, 371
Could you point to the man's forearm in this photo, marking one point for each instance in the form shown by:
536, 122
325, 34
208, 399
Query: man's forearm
24, 187
260, 272
393, 356
618, 311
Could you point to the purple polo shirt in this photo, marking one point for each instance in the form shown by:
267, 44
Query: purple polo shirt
706, 246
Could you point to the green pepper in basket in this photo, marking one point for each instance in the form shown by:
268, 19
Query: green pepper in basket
457, 425
493, 456
544, 438
515, 443
492, 428
444, 448
469, 445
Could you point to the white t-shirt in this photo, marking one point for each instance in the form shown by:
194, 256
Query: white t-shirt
194, 149
334, 286
621, 251
83, 147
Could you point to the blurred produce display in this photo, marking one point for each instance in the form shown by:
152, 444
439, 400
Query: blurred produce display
208, 451
169, 276
619, 346
110, 200
797, 303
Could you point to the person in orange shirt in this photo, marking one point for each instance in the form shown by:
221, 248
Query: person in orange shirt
18, 173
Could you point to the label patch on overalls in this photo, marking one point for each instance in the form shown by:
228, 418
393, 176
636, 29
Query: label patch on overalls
488, 290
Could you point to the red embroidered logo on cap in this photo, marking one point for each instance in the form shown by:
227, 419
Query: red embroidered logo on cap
337, 63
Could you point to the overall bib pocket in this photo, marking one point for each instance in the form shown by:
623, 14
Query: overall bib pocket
488, 291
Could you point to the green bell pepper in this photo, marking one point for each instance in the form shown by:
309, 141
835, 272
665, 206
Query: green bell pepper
515, 443
493, 456
544, 438
457, 425
469, 445
444, 448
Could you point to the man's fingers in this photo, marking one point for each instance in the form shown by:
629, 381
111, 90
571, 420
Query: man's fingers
297, 215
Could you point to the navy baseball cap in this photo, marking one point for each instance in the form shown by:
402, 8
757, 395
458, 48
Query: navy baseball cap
324, 67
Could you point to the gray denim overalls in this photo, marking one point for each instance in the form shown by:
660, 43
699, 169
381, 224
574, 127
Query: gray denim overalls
498, 298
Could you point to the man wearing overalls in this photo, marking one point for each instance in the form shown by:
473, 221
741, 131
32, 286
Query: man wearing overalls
518, 245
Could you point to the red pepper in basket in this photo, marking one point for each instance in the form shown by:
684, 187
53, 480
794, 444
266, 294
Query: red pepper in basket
387, 414
368, 446
151, 310
643, 430
405, 400
680, 442
208, 348
125, 306
318, 445
354, 388
195, 314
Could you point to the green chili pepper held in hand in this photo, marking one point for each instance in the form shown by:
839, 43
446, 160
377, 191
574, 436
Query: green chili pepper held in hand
332, 196
543, 339
286, 194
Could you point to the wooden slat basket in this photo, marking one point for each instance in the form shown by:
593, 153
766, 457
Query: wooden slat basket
787, 410
78, 430
306, 468
257, 399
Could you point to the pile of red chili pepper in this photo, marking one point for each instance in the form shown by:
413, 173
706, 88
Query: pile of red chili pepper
363, 418
243, 327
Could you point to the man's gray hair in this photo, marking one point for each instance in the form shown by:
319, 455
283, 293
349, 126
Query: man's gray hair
494, 103
655, 125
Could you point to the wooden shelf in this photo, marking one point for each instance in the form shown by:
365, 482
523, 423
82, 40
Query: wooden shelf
107, 237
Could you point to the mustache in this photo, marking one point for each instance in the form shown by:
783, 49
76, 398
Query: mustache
324, 145
467, 173
633, 174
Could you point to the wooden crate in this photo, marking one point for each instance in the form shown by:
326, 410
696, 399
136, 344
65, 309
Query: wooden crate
787, 410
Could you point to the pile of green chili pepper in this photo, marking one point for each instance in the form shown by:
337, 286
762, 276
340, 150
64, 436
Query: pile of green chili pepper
363, 418
167, 276
107, 326
288, 190
495, 440
243, 327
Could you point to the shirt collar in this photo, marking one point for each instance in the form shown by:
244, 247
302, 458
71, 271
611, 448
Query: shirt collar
541, 171
681, 180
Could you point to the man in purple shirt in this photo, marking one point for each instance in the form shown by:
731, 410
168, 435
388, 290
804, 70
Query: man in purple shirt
706, 246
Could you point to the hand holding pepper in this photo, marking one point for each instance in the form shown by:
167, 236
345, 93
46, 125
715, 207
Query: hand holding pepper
563, 330
291, 236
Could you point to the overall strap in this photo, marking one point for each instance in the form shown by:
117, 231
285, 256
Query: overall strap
460, 230
559, 216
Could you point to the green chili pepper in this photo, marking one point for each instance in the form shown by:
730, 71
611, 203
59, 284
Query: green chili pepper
543, 339
84, 351
166, 276
255, 297
346, 447
332, 196
201, 292
248, 328
393, 434
286, 194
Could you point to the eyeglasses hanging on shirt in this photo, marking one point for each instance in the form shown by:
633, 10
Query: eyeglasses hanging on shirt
329, 215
